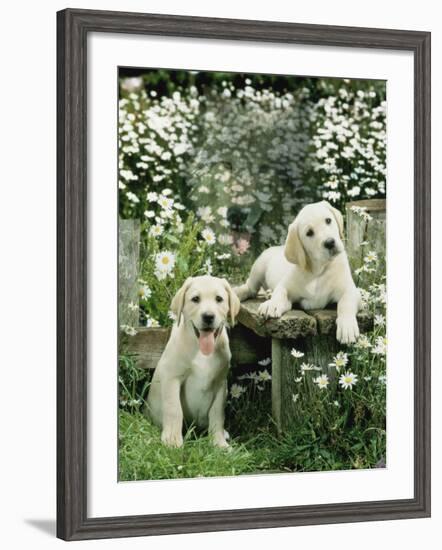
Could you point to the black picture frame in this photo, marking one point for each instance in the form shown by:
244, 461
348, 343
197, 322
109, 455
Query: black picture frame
73, 27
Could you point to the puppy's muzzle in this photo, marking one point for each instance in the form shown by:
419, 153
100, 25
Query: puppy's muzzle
207, 319
329, 244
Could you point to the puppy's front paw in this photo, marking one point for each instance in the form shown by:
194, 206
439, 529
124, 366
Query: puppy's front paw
272, 309
220, 441
171, 438
347, 329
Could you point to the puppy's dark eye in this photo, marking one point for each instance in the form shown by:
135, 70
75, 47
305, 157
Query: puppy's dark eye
310, 233
219, 299
328, 221
196, 299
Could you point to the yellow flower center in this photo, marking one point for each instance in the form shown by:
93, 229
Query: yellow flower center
165, 260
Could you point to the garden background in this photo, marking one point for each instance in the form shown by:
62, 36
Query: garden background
216, 166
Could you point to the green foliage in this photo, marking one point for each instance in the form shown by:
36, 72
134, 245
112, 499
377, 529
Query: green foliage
133, 382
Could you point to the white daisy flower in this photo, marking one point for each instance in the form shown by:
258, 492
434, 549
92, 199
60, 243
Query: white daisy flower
322, 381
179, 149
156, 230
236, 391
298, 379
265, 362
225, 239
165, 202
152, 323
379, 320
264, 376
132, 197
297, 354
209, 236
382, 379
361, 211
144, 292
133, 307
127, 329
164, 262
339, 360
371, 256
149, 213
336, 403
348, 380
295, 397
152, 196
380, 347
203, 189
363, 342
205, 213
307, 366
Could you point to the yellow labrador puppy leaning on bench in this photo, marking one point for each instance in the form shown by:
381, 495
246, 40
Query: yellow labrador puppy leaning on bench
311, 269
190, 380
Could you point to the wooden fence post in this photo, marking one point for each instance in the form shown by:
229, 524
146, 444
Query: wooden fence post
360, 230
128, 286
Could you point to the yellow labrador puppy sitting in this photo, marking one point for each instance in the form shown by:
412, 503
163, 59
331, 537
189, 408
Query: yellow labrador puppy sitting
190, 380
312, 269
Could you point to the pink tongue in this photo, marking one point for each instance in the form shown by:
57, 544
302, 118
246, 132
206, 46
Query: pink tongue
207, 342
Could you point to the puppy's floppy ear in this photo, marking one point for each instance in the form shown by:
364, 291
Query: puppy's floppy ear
338, 217
234, 303
294, 250
178, 300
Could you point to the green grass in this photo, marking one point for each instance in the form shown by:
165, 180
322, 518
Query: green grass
143, 456
255, 446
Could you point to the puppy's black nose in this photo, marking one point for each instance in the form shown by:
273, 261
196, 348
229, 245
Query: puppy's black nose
329, 244
208, 318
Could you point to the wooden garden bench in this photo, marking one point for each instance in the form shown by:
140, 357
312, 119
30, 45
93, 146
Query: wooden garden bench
253, 338
313, 333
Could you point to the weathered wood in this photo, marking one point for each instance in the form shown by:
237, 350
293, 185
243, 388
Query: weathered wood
148, 344
292, 324
360, 230
326, 320
277, 374
128, 257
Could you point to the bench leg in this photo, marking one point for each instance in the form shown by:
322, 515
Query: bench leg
319, 350
276, 381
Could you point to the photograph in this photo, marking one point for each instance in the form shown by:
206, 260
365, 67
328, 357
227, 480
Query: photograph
252, 299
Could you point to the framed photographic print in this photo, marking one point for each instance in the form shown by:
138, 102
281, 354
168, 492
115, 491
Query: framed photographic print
243, 274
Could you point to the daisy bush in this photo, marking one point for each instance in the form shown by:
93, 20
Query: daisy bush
349, 144
245, 156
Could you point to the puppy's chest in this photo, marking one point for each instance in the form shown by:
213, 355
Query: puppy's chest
317, 292
204, 370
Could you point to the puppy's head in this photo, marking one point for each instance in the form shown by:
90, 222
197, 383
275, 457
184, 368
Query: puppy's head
207, 303
315, 236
